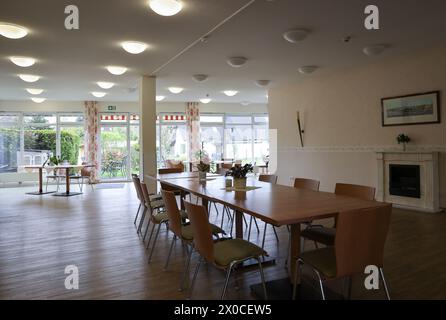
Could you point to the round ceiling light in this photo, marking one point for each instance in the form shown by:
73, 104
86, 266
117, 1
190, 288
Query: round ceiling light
230, 93
34, 91
105, 85
307, 69
200, 77
262, 83
237, 62
374, 50
117, 71
23, 61
134, 47
296, 35
160, 98
98, 94
175, 90
38, 100
29, 77
12, 31
166, 8
206, 100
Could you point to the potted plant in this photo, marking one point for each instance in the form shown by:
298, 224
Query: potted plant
238, 173
403, 139
204, 165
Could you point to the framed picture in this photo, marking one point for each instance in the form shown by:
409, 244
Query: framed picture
420, 108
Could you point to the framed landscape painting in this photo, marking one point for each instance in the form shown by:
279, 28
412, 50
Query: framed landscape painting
418, 108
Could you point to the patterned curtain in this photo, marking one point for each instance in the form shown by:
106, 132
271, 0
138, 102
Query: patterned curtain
193, 128
91, 138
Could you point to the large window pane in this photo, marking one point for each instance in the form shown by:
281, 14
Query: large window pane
114, 154
134, 149
39, 138
212, 138
239, 143
9, 143
261, 144
173, 141
72, 144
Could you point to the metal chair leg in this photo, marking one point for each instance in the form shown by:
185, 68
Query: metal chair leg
262, 276
320, 283
381, 271
296, 270
147, 230
141, 221
151, 234
154, 242
264, 235
170, 252
137, 213
257, 225
228, 274
186, 269
195, 277
249, 228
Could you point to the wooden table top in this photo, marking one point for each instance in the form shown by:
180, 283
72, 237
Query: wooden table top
181, 175
276, 204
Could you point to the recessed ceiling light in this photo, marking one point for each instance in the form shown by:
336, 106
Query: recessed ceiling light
200, 77
35, 91
237, 62
134, 47
374, 50
29, 77
175, 90
12, 31
307, 69
296, 35
117, 71
160, 98
38, 100
245, 103
262, 83
105, 85
23, 61
98, 94
205, 100
166, 7
230, 93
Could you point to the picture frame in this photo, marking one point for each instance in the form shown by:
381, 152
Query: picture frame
419, 108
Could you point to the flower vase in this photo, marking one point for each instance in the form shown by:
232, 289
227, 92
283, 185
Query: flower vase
202, 175
240, 183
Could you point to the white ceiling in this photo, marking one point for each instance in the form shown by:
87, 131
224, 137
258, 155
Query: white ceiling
70, 62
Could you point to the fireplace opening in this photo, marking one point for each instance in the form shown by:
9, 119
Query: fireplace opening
405, 180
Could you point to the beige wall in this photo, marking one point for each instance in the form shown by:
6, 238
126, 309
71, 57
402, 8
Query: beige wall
342, 119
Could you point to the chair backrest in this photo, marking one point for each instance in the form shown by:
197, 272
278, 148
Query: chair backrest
146, 195
308, 184
355, 191
167, 187
271, 178
137, 184
201, 229
360, 239
170, 170
174, 164
172, 211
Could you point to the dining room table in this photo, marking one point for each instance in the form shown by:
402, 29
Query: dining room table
67, 167
274, 204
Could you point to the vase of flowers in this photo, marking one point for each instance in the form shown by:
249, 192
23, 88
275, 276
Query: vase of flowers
403, 139
204, 164
238, 173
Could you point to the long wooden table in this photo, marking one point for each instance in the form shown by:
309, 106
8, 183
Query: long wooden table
275, 204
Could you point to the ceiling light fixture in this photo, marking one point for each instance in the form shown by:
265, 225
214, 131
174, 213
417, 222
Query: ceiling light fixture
38, 100
160, 98
23, 61
166, 8
117, 71
206, 100
12, 31
307, 69
374, 50
105, 85
175, 90
296, 35
230, 93
98, 94
200, 77
237, 62
262, 83
134, 47
34, 91
29, 77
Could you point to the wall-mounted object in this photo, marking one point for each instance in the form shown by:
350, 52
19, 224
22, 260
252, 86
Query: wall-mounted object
299, 129
420, 108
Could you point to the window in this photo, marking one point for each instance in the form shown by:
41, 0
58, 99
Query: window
9, 142
238, 138
261, 139
172, 136
71, 137
40, 136
211, 131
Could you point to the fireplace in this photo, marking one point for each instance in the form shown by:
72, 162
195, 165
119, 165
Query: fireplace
404, 180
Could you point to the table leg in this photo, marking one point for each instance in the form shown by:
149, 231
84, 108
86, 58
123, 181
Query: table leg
40, 191
294, 251
239, 224
67, 181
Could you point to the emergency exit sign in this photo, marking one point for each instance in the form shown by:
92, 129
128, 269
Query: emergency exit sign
111, 108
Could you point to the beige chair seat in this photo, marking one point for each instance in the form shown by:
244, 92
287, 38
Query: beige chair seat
155, 197
235, 250
323, 260
188, 234
320, 234
156, 204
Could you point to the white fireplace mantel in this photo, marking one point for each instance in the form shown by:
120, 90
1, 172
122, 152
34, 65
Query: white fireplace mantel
429, 200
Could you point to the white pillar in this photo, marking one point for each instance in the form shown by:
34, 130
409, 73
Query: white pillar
147, 111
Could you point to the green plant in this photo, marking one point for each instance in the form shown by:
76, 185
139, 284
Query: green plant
402, 138
204, 165
238, 172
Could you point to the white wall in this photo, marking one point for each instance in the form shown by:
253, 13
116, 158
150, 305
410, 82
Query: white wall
342, 119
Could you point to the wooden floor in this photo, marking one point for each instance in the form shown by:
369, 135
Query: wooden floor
41, 235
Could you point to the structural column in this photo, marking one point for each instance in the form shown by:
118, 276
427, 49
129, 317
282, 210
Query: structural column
147, 111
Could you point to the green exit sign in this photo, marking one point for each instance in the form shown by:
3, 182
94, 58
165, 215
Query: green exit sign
111, 108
